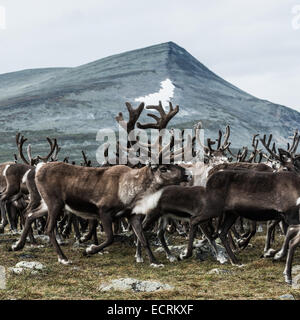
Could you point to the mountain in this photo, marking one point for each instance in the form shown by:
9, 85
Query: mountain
72, 104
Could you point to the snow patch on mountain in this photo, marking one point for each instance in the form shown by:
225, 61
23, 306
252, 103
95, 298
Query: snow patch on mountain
164, 95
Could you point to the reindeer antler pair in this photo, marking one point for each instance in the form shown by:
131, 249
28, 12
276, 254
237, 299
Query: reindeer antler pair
54, 149
161, 123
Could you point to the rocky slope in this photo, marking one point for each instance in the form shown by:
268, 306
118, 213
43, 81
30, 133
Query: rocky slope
72, 104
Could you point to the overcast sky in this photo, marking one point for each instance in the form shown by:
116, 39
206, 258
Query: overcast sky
253, 44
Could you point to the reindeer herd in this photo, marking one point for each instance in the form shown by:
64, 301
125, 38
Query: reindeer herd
213, 196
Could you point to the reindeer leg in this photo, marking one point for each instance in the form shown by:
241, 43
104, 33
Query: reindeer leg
243, 243
67, 227
292, 230
231, 241
235, 233
4, 220
76, 227
106, 220
288, 266
268, 252
138, 253
242, 230
161, 236
206, 229
229, 220
136, 222
194, 221
53, 213
92, 225
94, 235
39, 212
13, 218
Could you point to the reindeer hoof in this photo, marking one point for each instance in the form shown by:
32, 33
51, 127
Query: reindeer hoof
1, 229
155, 265
269, 254
277, 256
139, 260
14, 247
90, 249
288, 280
172, 259
182, 256
64, 261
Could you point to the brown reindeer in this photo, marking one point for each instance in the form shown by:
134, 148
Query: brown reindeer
103, 194
253, 195
15, 174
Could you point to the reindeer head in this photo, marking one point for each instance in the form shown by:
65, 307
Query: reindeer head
283, 160
170, 174
218, 155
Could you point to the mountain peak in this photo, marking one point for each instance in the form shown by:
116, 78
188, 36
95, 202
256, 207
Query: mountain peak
72, 104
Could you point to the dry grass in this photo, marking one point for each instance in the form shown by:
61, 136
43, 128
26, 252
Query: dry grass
258, 279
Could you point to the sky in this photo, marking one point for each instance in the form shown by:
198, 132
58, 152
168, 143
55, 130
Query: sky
253, 44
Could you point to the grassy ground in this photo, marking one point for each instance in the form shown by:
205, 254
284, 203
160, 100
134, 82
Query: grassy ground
258, 279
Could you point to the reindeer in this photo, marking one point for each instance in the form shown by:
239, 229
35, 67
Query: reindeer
254, 195
100, 193
15, 174
171, 202
104, 194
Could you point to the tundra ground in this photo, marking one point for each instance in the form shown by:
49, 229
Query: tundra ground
258, 279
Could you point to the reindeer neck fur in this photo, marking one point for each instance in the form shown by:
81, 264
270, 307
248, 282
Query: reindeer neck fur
148, 199
137, 183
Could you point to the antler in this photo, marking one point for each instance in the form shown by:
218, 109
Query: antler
52, 149
87, 163
54, 157
20, 141
292, 150
225, 144
267, 146
241, 156
255, 152
134, 114
221, 147
163, 120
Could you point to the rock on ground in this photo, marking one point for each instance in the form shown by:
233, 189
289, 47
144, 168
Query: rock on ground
134, 285
219, 271
21, 266
287, 297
